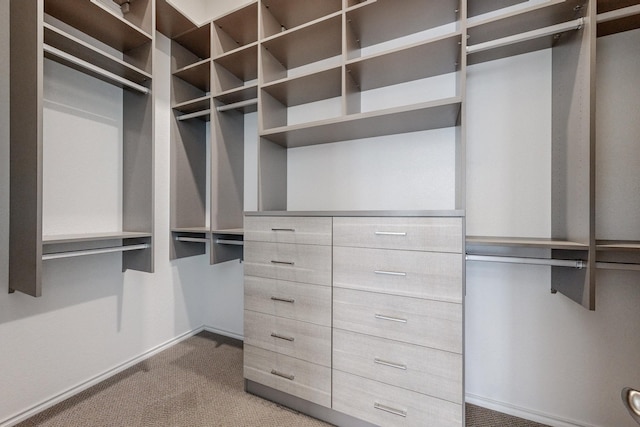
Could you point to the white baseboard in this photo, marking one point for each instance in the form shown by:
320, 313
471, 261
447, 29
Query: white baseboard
527, 414
223, 332
15, 419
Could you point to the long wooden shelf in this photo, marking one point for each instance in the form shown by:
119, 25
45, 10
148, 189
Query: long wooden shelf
80, 49
617, 16
418, 117
307, 88
290, 14
95, 20
618, 245
527, 242
194, 105
91, 237
480, 7
236, 29
240, 94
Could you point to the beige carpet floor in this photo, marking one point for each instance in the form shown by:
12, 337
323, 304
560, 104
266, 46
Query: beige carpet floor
197, 382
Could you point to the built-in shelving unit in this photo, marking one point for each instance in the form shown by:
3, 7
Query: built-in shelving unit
104, 43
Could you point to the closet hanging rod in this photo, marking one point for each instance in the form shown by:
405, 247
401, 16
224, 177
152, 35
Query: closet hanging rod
70, 254
194, 115
529, 35
94, 69
192, 239
230, 242
625, 12
235, 105
579, 264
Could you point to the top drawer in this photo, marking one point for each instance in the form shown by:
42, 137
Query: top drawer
418, 234
286, 229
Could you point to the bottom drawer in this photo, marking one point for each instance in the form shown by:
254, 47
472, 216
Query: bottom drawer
390, 406
290, 375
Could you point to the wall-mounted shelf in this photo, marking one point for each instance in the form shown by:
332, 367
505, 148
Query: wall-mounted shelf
525, 242
616, 16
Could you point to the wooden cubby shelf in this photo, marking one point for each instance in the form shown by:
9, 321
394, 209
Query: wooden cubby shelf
283, 15
234, 69
616, 16
197, 74
236, 29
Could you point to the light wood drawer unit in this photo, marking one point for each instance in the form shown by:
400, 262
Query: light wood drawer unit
301, 230
284, 261
431, 275
293, 338
389, 406
293, 300
434, 372
294, 376
428, 323
420, 234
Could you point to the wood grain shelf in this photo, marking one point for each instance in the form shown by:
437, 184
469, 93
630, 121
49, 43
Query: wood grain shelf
618, 245
241, 63
240, 94
617, 16
91, 237
193, 105
306, 88
480, 7
197, 41
197, 74
290, 14
236, 29
525, 242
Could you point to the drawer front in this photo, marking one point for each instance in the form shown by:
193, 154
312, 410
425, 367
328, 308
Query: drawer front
293, 338
304, 230
423, 322
420, 234
283, 261
425, 370
294, 376
431, 275
390, 406
293, 300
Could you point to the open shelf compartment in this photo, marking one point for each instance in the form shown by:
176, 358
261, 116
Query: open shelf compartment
284, 15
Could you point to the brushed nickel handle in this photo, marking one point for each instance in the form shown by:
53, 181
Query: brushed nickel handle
392, 319
390, 273
281, 299
390, 233
282, 262
289, 377
284, 229
390, 410
390, 364
282, 337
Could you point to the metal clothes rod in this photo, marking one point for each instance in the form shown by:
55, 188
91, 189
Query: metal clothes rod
529, 35
90, 67
194, 115
618, 14
71, 254
531, 261
192, 239
230, 242
237, 105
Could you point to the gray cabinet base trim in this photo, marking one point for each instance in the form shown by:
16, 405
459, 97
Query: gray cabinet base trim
316, 411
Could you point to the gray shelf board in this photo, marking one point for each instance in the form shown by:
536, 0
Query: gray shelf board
610, 5
98, 22
90, 237
242, 63
170, 22
294, 13
528, 242
522, 20
618, 245
193, 105
308, 43
241, 25
364, 213
232, 96
628, 16
383, 20
419, 60
514, 49
197, 40
83, 50
198, 74
307, 88
230, 231
190, 230
412, 118
479, 7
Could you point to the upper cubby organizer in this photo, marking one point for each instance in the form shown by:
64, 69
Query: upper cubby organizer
616, 16
283, 15
107, 40
522, 28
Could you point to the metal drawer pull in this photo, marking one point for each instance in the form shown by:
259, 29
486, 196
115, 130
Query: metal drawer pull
282, 337
290, 377
390, 233
282, 262
390, 410
390, 273
284, 229
291, 300
393, 319
390, 364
